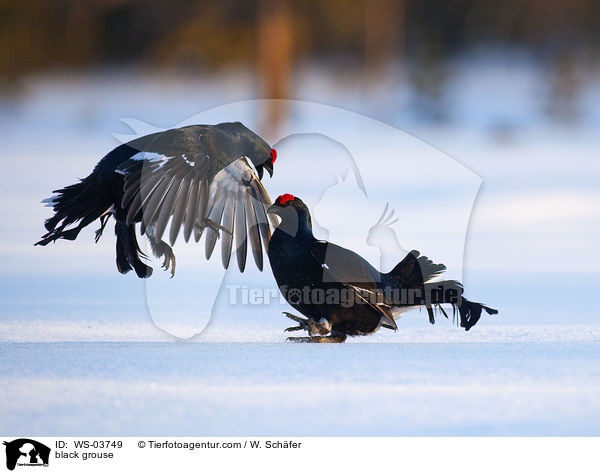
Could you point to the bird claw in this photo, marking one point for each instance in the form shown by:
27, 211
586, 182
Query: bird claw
169, 261
169, 258
294, 329
303, 323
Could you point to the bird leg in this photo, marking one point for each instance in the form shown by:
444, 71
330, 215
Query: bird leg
103, 221
128, 251
162, 249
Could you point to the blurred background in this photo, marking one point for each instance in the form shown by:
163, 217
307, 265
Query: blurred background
509, 89
428, 50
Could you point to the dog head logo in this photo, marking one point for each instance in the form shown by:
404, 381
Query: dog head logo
26, 452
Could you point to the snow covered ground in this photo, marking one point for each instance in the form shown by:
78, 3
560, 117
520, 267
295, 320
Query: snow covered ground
420, 387
80, 353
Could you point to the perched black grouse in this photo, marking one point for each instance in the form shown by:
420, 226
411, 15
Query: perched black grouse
341, 294
198, 177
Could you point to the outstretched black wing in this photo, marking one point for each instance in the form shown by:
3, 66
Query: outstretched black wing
355, 274
187, 190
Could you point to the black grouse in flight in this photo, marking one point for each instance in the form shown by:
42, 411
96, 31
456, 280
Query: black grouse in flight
199, 177
341, 294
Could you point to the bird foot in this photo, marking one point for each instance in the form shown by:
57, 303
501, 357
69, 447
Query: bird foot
161, 249
169, 261
333, 338
316, 330
322, 327
303, 323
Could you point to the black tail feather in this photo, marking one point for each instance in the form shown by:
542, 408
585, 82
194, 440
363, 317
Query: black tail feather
71, 234
450, 292
470, 312
79, 203
415, 269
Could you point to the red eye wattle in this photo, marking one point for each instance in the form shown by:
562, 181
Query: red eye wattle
282, 199
273, 155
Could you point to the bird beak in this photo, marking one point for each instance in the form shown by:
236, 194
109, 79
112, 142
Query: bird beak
259, 171
261, 167
269, 167
274, 209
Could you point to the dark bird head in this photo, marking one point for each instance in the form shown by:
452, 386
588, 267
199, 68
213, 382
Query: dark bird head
252, 146
294, 214
268, 164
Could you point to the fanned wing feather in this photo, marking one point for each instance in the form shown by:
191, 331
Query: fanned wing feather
215, 215
253, 231
180, 190
241, 241
262, 220
146, 190
179, 212
167, 207
202, 207
155, 201
239, 184
190, 210
227, 223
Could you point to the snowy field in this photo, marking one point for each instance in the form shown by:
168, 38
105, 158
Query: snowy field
421, 387
86, 351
